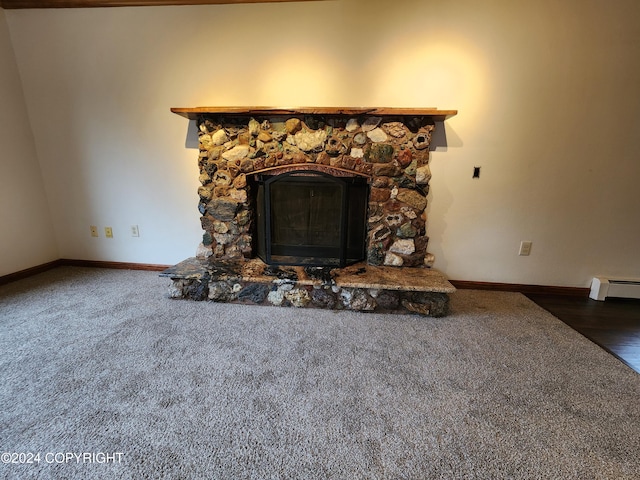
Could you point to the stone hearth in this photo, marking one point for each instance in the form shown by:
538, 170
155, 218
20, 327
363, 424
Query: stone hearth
387, 147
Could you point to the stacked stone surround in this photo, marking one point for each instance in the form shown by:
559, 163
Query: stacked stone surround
392, 151
390, 147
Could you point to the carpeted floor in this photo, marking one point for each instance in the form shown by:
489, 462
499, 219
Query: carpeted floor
100, 362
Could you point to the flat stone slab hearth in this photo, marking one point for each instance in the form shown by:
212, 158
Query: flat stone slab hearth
357, 287
359, 275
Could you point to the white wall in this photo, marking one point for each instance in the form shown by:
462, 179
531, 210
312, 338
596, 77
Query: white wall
26, 233
547, 94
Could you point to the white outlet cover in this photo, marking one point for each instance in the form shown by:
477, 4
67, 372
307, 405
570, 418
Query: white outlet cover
525, 248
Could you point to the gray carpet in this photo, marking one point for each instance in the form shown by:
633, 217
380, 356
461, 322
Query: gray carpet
101, 362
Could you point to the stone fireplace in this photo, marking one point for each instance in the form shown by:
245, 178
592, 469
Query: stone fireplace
326, 203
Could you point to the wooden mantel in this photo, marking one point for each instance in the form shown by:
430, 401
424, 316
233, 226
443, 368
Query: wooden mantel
193, 113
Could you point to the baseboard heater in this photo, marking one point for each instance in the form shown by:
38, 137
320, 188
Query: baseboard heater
602, 287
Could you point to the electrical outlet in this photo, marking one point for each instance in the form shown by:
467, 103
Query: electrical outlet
525, 248
94, 230
108, 232
135, 232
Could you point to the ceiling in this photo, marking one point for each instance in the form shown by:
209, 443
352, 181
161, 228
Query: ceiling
12, 4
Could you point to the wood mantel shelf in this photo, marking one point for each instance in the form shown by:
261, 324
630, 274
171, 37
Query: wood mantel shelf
193, 113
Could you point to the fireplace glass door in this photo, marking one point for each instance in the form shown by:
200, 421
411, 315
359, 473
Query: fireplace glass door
311, 218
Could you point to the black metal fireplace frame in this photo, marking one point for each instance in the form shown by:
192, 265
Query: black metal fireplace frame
305, 254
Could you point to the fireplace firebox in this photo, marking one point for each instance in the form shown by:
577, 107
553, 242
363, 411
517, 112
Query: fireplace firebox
311, 218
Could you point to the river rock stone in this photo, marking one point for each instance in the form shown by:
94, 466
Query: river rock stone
379, 194
236, 153
279, 136
370, 123
360, 138
386, 169
244, 137
240, 181
361, 302
224, 238
381, 182
379, 233
222, 178
293, 125
299, 297
405, 157
310, 141
433, 304
220, 137
429, 260
246, 165
388, 300
243, 217
357, 153
239, 196
221, 292
222, 209
255, 292
423, 175
379, 153
376, 253
335, 146
276, 297
393, 260
264, 136
413, 198
176, 289
323, 297
345, 296
410, 169
403, 246
352, 125
205, 141
196, 289
377, 135
205, 193
394, 219
213, 155
395, 129
422, 140
221, 190
204, 251
220, 227
204, 178
406, 230
254, 127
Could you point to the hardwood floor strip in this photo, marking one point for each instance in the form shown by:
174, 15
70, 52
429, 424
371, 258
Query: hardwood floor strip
613, 324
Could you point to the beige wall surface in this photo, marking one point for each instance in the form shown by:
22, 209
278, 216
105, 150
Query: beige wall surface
547, 94
26, 233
